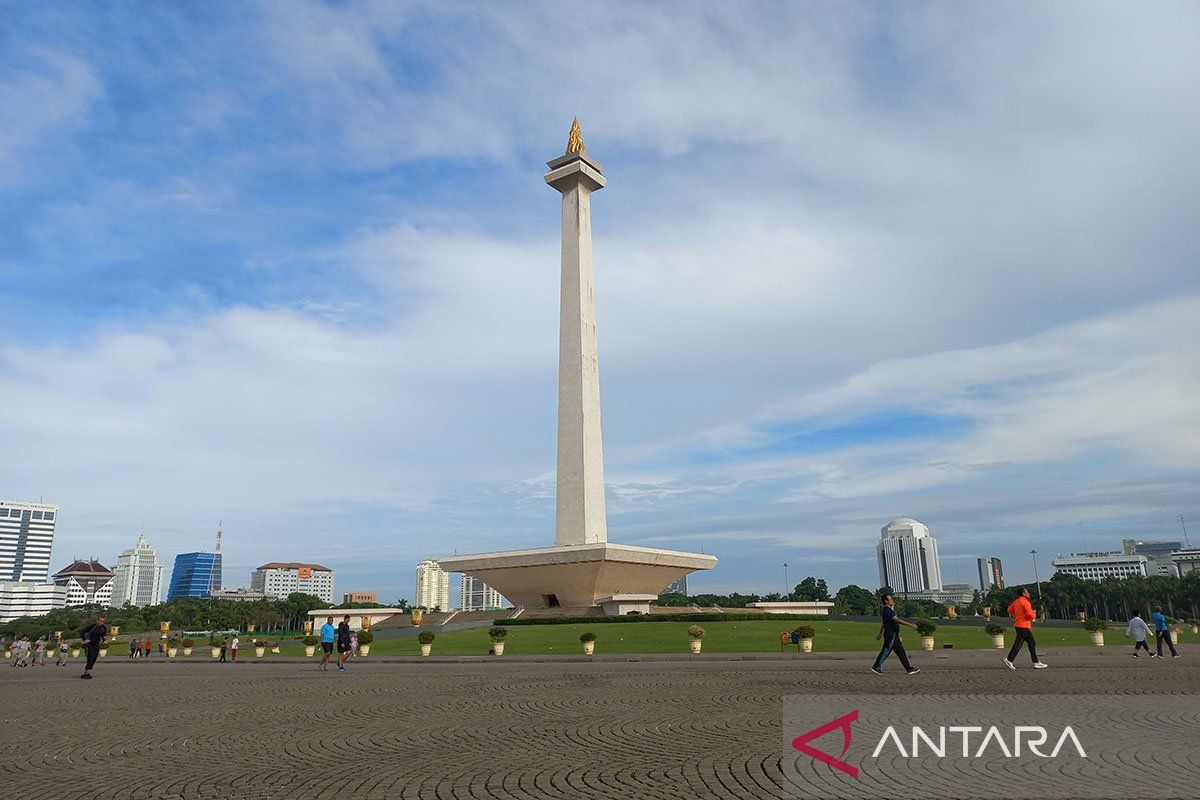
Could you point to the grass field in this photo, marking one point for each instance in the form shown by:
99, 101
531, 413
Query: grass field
755, 636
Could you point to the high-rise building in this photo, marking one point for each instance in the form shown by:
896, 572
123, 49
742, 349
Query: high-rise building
28, 599
88, 582
997, 572
991, 574
1097, 566
278, 579
433, 586
678, 587
478, 596
195, 575
908, 557
26, 535
137, 577
1158, 555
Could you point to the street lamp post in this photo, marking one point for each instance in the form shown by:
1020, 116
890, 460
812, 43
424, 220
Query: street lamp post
1036, 579
786, 590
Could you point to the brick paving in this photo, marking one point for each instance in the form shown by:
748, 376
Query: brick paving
497, 729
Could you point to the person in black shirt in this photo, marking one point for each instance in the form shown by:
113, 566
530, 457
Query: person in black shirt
889, 631
93, 636
343, 642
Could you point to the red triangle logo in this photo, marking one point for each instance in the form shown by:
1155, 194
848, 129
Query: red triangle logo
801, 743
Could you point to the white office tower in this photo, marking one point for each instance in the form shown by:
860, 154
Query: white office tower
478, 596
908, 557
433, 586
138, 577
26, 534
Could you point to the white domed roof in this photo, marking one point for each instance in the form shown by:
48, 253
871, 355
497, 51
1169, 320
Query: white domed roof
903, 521
904, 527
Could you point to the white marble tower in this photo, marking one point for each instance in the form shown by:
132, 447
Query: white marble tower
579, 513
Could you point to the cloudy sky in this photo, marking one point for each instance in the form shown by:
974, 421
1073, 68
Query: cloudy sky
293, 266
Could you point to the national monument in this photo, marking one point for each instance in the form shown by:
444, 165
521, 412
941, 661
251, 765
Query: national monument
582, 569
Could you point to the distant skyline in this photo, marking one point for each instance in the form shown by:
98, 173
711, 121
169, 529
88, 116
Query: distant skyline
293, 267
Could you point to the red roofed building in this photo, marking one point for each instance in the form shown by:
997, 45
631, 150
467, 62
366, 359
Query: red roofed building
88, 582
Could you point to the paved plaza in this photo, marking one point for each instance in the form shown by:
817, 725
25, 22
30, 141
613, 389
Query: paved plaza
501, 728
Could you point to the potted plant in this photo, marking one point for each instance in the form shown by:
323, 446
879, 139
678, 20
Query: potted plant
417, 615
1196, 626
997, 633
215, 644
365, 637
696, 634
588, 640
1096, 628
805, 634
103, 649
74, 650
188, 644
926, 627
275, 648
172, 647
260, 647
310, 645
426, 640
497, 633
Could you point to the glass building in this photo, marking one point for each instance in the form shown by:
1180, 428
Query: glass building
195, 575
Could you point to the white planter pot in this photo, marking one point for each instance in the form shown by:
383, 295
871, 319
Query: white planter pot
309, 649
806, 645
927, 642
216, 652
498, 648
7, 655
1196, 629
103, 652
998, 641
589, 648
187, 651
696, 645
259, 652
74, 652
364, 649
49, 654
1097, 638
275, 649
425, 648
171, 652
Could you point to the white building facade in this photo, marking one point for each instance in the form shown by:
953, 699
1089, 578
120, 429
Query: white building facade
87, 582
278, 579
908, 558
1098, 566
26, 535
433, 586
26, 599
478, 596
138, 577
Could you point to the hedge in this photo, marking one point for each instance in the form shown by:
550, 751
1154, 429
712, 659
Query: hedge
743, 617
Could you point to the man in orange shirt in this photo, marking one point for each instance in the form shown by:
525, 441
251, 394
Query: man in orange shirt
1022, 615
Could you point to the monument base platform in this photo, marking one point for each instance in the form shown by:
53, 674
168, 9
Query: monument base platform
578, 575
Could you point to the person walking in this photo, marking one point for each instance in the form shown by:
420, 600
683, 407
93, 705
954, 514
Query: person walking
328, 635
224, 648
889, 631
39, 651
20, 652
62, 653
1021, 611
93, 636
1139, 630
354, 644
343, 642
1162, 633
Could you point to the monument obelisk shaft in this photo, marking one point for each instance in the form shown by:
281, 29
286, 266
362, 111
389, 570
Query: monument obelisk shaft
579, 513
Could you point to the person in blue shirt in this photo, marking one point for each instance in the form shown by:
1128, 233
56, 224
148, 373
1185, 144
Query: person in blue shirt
1161, 633
889, 631
328, 634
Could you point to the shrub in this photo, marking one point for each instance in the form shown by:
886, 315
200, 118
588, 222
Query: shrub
365, 637
217, 641
311, 641
425, 637
805, 632
696, 632
926, 626
172, 642
1094, 625
586, 637
640, 618
261, 643
993, 629
498, 633
189, 642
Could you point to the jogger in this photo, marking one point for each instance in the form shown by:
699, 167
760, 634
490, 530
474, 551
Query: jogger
1021, 611
1162, 633
93, 636
889, 631
1139, 630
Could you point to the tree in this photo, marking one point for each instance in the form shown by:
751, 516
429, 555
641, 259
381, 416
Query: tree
854, 600
811, 590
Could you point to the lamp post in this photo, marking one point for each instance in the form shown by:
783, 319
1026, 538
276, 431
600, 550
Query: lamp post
786, 590
1036, 579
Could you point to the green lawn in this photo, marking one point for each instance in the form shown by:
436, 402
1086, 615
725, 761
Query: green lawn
671, 637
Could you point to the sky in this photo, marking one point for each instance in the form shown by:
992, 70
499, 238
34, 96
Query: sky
291, 267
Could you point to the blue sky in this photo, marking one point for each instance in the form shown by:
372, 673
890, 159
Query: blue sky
293, 266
